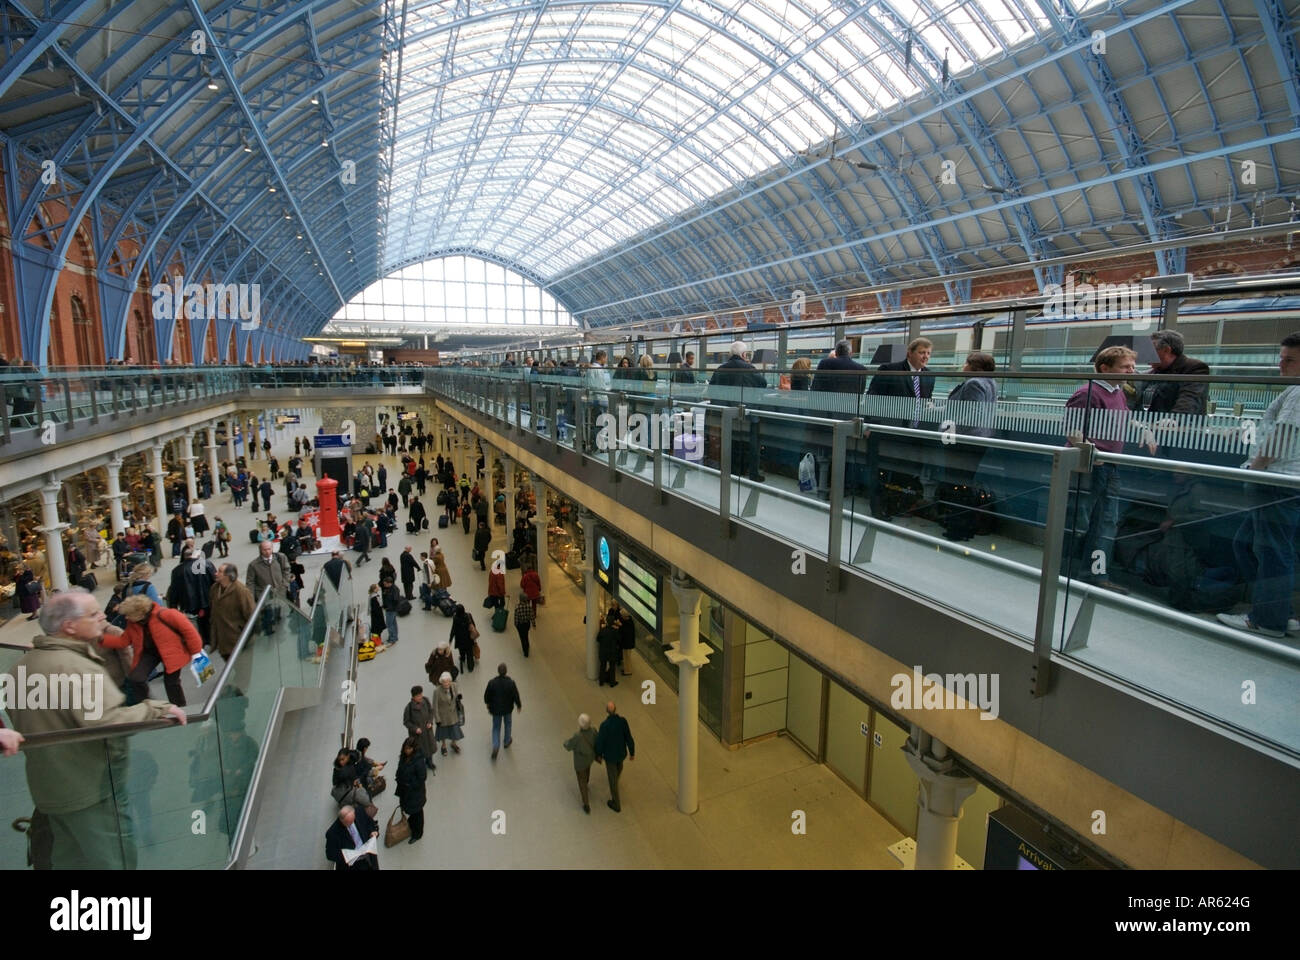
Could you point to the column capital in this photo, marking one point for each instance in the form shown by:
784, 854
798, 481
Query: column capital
50, 489
687, 594
116, 463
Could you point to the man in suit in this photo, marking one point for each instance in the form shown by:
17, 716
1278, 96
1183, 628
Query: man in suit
270, 569
917, 387
737, 375
918, 354
840, 373
334, 567
350, 832
1175, 397
686, 372
613, 743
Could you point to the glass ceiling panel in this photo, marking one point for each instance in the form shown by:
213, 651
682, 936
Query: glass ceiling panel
529, 134
453, 290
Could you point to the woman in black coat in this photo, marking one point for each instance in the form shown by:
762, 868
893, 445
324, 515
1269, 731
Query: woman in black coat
626, 641
349, 780
377, 622
411, 774
417, 514
482, 543
460, 638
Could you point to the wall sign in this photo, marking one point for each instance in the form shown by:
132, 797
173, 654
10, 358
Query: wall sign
631, 578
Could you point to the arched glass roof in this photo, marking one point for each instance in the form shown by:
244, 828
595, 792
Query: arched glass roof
548, 133
639, 160
450, 294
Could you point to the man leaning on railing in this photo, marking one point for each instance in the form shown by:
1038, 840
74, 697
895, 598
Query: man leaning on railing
1265, 544
79, 788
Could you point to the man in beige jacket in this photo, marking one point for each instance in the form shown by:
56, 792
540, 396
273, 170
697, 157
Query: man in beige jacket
79, 787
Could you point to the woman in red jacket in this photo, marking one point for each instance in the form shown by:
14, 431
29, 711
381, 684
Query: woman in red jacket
157, 634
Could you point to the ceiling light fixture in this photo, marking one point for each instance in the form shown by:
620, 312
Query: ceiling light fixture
315, 100
212, 82
272, 189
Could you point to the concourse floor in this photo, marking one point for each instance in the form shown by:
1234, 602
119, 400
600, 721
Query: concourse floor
747, 796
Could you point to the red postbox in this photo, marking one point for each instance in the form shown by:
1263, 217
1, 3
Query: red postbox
327, 493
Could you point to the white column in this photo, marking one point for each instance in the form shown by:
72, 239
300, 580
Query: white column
689, 655
943, 789
592, 589
159, 490
510, 498
53, 529
213, 467
116, 521
542, 522
230, 439
191, 485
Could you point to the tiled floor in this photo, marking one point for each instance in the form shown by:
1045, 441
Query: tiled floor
523, 810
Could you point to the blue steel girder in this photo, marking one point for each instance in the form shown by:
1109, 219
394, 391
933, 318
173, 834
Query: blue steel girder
1073, 31
979, 139
919, 116
44, 33
162, 95
1280, 34
223, 62
1290, 136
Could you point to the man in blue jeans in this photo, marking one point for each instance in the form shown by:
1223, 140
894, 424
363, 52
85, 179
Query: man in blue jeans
1265, 544
502, 698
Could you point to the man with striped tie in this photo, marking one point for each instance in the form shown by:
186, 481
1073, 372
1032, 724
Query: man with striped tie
917, 386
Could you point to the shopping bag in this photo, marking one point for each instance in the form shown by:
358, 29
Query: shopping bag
807, 473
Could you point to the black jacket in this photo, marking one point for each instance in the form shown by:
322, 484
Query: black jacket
482, 539
337, 840
459, 635
738, 373
411, 774
334, 570
392, 597
1178, 397
607, 643
501, 696
188, 591
899, 386
377, 622
417, 514
840, 375
410, 567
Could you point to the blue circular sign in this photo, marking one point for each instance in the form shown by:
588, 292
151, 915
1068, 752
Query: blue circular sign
602, 552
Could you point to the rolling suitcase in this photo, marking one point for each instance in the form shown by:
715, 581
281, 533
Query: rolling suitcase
442, 522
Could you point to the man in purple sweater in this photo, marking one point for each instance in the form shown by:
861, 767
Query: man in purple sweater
1098, 412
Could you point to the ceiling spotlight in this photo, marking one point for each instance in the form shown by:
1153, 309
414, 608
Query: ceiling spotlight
300, 236
993, 187
212, 82
286, 215
315, 100
325, 141
272, 189
247, 148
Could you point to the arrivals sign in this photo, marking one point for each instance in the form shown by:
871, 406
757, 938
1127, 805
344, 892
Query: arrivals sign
630, 577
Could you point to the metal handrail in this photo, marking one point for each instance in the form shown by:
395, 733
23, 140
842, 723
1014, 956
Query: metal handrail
81, 734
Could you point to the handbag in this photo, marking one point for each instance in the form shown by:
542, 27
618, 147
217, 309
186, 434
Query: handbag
460, 711
473, 632
378, 785
395, 833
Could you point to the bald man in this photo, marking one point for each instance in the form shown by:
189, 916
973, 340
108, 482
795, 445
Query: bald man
614, 743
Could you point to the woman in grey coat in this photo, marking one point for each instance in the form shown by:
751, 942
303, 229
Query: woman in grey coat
583, 745
418, 720
445, 714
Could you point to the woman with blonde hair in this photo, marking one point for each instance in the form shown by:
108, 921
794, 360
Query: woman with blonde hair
157, 635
